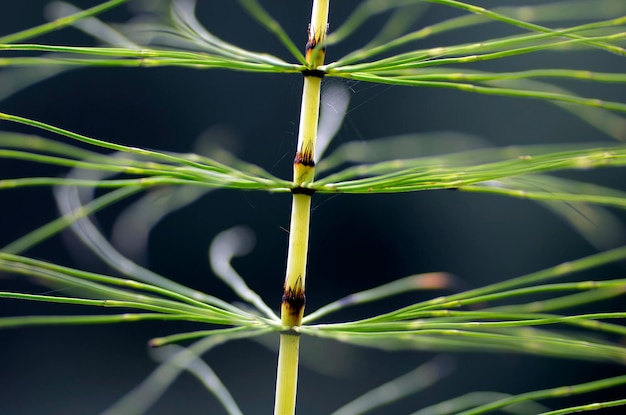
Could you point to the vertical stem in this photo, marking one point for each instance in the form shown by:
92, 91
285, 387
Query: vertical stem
287, 379
292, 308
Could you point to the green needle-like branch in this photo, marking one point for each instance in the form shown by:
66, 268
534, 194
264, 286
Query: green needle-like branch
550, 393
60, 23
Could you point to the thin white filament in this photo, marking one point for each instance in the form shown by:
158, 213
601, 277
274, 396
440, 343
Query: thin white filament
422, 377
202, 372
335, 100
71, 199
227, 245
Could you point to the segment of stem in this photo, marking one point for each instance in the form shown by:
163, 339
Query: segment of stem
292, 308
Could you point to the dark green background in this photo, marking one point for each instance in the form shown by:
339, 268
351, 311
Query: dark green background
357, 242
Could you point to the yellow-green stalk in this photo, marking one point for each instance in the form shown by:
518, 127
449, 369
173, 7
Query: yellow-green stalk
292, 308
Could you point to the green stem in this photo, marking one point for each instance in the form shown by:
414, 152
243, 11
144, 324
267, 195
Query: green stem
292, 309
287, 378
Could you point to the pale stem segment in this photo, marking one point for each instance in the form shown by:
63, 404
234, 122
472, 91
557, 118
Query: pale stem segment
292, 309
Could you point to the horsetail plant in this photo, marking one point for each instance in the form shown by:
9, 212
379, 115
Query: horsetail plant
532, 314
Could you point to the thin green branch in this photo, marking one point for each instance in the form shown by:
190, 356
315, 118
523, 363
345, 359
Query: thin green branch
98, 288
460, 75
37, 144
146, 63
502, 188
566, 268
111, 166
188, 166
522, 340
467, 21
144, 182
363, 12
97, 303
486, 320
411, 64
413, 175
57, 225
125, 283
495, 91
526, 25
563, 302
254, 8
455, 405
60, 23
549, 393
588, 407
50, 320
618, 284
469, 53
430, 281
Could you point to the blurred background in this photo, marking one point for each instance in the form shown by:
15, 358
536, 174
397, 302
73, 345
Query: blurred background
357, 242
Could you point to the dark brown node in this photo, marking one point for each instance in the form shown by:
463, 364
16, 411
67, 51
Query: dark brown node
311, 40
305, 158
294, 301
316, 73
312, 43
302, 191
290, 332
